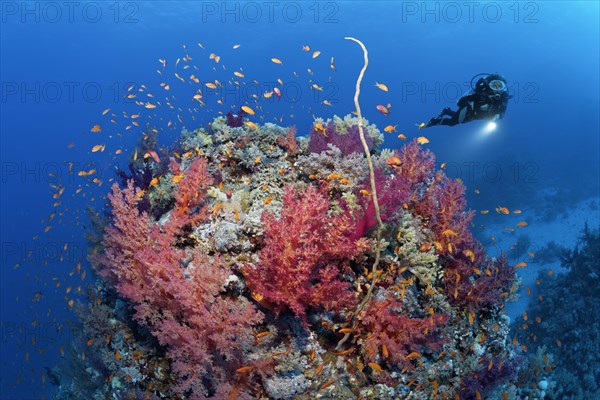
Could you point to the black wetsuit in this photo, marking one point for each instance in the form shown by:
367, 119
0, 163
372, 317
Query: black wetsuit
483, 103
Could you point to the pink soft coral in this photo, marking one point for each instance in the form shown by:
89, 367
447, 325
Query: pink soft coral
392, 192
181, 303
288, 142
305, 252
415, 164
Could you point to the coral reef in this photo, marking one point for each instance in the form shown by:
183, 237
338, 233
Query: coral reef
561, 327
244, 271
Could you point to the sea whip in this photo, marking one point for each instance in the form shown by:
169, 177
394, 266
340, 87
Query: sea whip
373, 191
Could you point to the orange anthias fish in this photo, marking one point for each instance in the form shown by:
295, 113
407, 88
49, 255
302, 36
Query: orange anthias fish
248, 110
383, 109
154, 156
393, 161
502, 210
319, 128
381, 86
375, 367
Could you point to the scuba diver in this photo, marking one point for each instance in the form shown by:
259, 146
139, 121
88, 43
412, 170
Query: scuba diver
488, 100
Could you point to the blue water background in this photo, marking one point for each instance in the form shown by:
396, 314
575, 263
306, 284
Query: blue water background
425, 52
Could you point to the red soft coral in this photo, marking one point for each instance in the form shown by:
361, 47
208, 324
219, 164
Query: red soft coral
438, 200
304, 254
191, 187
288, 142
471, 278
443, 208
415, 164
478, 281
392, 336
181, 303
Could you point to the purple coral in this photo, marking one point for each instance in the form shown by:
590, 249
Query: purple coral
478, 282
348, 143
392, 192
493, 372
235, 120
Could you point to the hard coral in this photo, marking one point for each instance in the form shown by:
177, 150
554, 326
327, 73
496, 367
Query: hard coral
568, 311
304, 255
